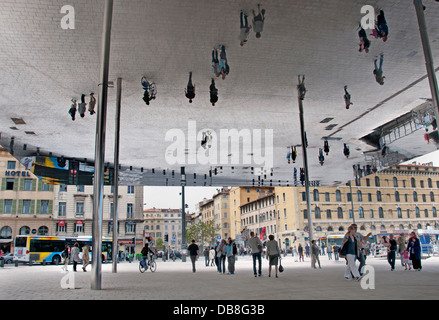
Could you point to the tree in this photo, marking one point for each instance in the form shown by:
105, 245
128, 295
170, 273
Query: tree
202, 232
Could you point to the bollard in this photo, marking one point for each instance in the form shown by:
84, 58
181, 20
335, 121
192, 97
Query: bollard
44, 262
16, 263
2, 263
30, 262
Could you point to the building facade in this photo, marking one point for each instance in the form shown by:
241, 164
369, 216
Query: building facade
73, 214
395, 200
162, 223
26, 203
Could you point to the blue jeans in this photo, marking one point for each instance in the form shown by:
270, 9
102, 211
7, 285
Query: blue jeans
222, 261
257, 256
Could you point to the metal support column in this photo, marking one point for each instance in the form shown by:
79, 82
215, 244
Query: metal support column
428, 56
183, 215
98, 187
116, 174
305, 159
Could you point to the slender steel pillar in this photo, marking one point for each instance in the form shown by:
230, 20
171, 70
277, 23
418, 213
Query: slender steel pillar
428, 56
305, 164
183, 213
98, 187
116, 174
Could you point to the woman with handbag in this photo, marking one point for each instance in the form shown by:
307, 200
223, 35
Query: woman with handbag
415, 251
349, 251
273, 254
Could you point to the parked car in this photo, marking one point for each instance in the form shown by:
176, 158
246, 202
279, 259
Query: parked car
175, 253
8, 257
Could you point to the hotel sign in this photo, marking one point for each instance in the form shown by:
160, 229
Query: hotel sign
10, 173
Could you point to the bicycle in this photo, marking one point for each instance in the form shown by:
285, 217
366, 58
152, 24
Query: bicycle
144, 264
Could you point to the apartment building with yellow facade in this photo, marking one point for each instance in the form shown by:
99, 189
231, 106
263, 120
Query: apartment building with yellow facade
395, 200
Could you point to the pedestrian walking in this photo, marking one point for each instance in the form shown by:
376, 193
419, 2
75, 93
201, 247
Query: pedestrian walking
329, 252
193, 253
256, 247
401, 247
378, 71
212, 256
217, 256
414, 248
273, 254
315, 252
244, 28
300, 252
307, 250
336, 250
231, 252
258, 21
190, 89
391, 246
406, 260
85, 257
72, 110
361, 247
75, 255
349, 251
65, 256
221, 254
206, 256
213, 93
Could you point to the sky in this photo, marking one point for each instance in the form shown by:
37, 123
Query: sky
169, 197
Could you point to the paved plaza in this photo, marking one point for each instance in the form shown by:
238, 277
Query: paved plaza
175, 281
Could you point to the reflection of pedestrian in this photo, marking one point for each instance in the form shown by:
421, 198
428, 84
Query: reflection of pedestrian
190, 91
216, 69
346, 150
223, 62
300, 251
82, 106
231, 252
321, 157
378, 71
213, 93
326, 147
72, 110
258, 21
193, 253
381, 29
92, 104
364, 41
245, 29
347, 97
85, 257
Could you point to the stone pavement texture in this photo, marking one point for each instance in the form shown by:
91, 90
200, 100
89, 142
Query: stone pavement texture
175, 281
